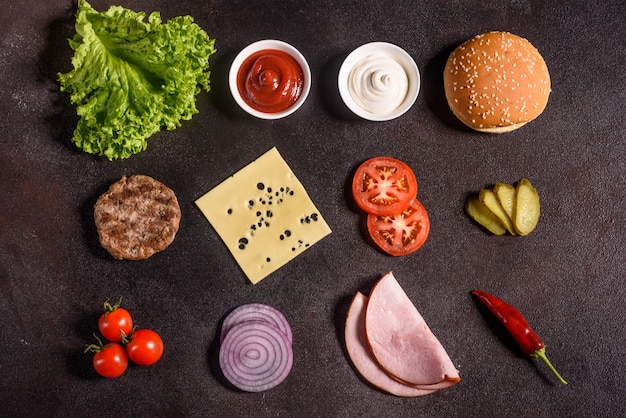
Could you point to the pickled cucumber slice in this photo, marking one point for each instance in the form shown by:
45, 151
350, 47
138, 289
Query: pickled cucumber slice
526, 210
481, 214
489, 199
506, 196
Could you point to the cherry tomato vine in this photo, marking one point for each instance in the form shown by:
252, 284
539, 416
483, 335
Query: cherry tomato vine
125, 343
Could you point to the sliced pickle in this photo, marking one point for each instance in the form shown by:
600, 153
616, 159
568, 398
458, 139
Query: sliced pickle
527, 208
489, 199
506, 197
481, 214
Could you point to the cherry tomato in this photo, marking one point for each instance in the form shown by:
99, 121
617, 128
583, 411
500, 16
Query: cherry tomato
145, 347
110, 360
383, 186
115, 321
403, 233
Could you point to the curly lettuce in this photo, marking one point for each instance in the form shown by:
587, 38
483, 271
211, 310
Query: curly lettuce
132, 77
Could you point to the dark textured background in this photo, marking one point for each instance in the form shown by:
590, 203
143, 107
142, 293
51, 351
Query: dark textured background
567, 276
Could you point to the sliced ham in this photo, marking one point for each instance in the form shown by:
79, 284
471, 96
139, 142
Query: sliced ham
361, 356
402, 343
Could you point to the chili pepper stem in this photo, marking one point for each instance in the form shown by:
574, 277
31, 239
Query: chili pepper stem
541, 353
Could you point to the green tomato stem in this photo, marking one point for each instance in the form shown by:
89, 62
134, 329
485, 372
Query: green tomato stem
95, 348
541, 353
110, 308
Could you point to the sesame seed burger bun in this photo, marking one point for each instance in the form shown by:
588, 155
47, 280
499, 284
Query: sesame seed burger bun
496, 82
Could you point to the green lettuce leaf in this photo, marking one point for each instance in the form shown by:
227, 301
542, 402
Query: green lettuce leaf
133, 77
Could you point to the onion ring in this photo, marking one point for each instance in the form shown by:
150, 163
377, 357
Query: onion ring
256, 311
255, 356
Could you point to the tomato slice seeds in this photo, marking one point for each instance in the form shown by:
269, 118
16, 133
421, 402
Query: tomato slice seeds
386, 189
403, 233
384, 186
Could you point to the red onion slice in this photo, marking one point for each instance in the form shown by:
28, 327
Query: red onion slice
256, 311
255, 356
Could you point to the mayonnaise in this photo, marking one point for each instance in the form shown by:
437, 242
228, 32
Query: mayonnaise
378, 84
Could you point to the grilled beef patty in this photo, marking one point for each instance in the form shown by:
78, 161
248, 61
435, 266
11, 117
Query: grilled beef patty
137, 217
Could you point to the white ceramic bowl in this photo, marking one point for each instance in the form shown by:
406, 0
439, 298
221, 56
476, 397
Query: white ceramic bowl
391, 56
259, 46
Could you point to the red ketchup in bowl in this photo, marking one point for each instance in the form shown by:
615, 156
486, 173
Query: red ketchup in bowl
270, 81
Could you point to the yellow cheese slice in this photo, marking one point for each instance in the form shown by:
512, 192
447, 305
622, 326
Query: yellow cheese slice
264, 216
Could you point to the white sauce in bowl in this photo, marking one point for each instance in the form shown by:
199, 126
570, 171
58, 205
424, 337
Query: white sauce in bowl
378, 84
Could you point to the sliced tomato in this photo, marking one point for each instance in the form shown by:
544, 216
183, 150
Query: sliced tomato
403, 233
384, 186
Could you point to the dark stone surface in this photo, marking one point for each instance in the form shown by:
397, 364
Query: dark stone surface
567, 276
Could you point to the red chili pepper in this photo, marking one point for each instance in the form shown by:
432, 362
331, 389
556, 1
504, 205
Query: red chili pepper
517, 325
